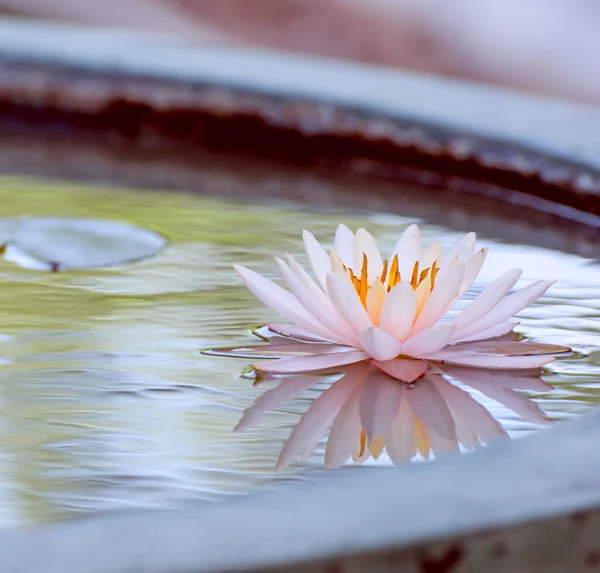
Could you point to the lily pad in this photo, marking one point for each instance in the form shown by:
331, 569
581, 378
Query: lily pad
61, 243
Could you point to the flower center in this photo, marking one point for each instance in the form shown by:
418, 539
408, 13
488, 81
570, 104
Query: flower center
390, 276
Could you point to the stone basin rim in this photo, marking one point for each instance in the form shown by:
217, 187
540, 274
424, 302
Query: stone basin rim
551, 477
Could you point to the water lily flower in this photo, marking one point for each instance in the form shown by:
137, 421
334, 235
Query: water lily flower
363, 307
367, 411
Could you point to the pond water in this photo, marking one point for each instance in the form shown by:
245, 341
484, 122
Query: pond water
105, 401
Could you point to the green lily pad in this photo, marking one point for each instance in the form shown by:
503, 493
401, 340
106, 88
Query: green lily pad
61, 243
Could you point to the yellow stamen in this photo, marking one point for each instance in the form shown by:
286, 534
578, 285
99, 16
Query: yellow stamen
434, 272
384, 272
363, 286
415, 275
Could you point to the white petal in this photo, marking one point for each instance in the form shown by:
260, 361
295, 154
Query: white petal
507, 308
282, 302
408, 249
316, 301
433, 253
472, 268
402, 369
365, 244
344, 245
346, 301
398, 311
487, 299
379, 345
493, 332
429, 341
442, 297
379, 404
318, 257
300, 364
463, 249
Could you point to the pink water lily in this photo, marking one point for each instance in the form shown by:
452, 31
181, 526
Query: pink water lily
364, 307
367, 412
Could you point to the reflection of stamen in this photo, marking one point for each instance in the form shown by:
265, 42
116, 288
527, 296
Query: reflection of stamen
363, 442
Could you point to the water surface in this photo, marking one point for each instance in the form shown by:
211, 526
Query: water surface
105, 401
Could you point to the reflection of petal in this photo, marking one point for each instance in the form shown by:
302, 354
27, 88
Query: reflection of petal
379, 404
519, 404
400, 437
310, 363
315, 422
288, 388
402, 369
344, 433
464, 407
429, 406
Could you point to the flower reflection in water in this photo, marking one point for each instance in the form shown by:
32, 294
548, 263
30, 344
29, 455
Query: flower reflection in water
413, 408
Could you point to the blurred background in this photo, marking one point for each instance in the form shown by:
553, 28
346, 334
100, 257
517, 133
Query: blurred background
543, 46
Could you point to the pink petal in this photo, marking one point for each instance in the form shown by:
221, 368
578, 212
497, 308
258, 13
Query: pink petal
507, 308
490, 360
277, 349
429, 341
294, 331
301, 364
480, 379
282, 302
493, 332
400, 437
408, 248
378, 344
344, 245
464, 406
398, 311
463, 249
317, 256
403, 369
442, 297
287, 389
315, 422
379, 404
429, 406
344, 433
365, 244
315, 301
510, 347
347, 302
486, 300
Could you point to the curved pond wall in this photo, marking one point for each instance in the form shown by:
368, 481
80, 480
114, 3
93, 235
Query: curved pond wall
529, 505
